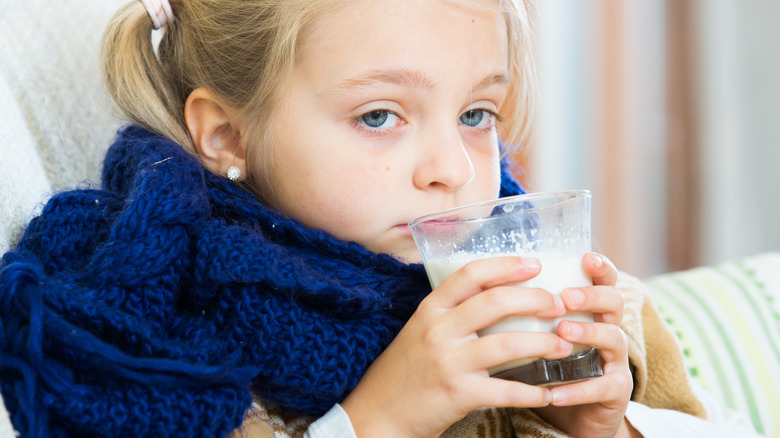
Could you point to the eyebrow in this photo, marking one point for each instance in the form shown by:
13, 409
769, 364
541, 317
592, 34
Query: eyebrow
500, 79
410, 78
402, 77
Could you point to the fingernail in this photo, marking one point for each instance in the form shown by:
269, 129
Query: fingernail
575, 297
558, 302
598, 261
530, 265
558, 397
565, 345
574, 330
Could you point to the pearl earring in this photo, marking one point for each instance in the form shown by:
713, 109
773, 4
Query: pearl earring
233, 173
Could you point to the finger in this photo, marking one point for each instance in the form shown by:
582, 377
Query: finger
489, 307
600, 269
605, 301
610, 390
615, 384
476, 276
499, 348
500, 393
609, 339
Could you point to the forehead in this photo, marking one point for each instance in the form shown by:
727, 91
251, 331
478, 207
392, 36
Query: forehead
348, 26
459, 42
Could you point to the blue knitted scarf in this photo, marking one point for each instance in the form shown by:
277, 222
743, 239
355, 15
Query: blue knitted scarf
155, 305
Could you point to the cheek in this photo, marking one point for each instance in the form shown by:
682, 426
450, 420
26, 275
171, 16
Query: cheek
355, 193
487, 173
340, 201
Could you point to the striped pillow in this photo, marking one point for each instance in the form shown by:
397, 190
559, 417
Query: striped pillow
727, 319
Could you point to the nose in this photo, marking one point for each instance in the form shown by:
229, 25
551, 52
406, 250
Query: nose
444, 163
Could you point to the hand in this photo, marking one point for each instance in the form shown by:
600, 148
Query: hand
435, 371
596, 407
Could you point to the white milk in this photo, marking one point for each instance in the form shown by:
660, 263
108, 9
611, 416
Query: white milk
556, 275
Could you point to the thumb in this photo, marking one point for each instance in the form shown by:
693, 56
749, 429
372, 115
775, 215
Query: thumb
600, 268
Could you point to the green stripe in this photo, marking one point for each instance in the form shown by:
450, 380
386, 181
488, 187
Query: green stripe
756, 310
716, 365
692, 364
753, 409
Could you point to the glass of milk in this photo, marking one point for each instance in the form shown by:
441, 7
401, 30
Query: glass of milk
551, 226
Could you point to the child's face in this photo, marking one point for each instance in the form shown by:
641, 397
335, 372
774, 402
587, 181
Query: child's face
389, 117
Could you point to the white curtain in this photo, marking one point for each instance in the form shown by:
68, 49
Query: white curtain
738, 72
602, 121
606, 125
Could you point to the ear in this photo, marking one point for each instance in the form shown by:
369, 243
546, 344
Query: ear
216, 137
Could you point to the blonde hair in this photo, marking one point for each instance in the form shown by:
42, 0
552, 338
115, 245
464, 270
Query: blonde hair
244, 51
521, 105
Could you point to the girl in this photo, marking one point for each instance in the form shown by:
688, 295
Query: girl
247, 258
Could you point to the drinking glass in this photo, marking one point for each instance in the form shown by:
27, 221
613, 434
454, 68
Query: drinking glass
551, 226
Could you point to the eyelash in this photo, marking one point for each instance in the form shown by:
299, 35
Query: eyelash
360, 124
492, 115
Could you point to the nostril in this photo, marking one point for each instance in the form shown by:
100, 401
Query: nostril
445, 163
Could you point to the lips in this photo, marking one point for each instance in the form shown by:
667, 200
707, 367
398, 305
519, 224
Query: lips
439, 225
404, 228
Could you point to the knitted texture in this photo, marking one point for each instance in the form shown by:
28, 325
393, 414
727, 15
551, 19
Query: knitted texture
155, 305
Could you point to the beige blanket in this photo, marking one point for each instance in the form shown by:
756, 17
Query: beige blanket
660, 381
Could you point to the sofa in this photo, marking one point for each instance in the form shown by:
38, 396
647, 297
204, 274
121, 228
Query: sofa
57, 121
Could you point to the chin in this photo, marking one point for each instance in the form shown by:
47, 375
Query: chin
404, 250
408, 257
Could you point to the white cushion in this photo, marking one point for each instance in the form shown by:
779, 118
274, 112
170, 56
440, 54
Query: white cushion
57, 119
24, 182
6, 428
49, 53
727, 318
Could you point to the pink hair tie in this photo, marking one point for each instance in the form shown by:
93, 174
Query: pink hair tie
160, 12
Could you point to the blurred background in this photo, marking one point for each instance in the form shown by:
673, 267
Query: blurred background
669, 112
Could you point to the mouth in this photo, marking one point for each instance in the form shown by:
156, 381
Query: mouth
444, 224
404, 229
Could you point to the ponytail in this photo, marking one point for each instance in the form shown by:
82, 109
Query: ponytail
241, 50
135, 78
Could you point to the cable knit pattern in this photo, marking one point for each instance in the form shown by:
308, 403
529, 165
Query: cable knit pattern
153, 306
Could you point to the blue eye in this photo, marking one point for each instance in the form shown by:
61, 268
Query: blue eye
375, 119
475, 118
378, 121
